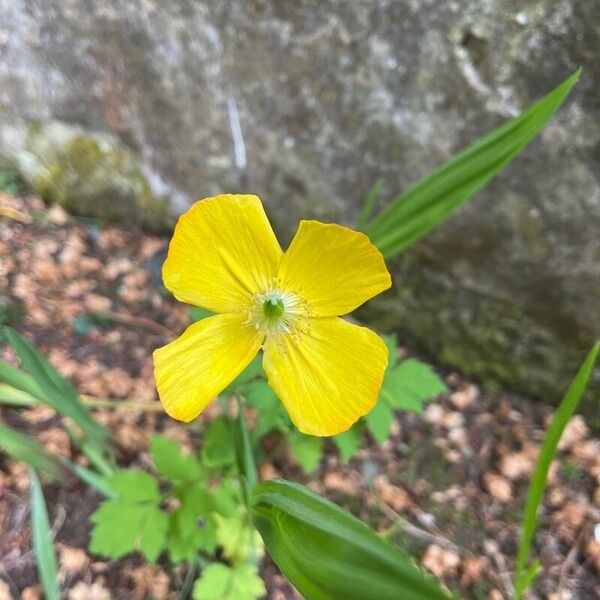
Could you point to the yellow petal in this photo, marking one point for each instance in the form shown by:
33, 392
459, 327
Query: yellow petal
194, 368
223, 250
335, 269
327, 376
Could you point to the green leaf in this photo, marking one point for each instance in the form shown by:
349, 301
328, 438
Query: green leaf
367, 209
171, 462
56, 390
12, 396
217, 449
197, 314
568, 405
379, 421
220, 582
252, 371
134, 485
433, 199
131, 521
392, 345
43, 543
19, 379
30, 451
237, 537
191, 526
410, 384
96, 480
349, 441
270, 413
327, 554
121, 528
306, 449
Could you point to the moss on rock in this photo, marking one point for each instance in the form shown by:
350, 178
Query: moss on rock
91, 174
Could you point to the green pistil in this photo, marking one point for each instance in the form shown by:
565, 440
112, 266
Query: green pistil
273, 308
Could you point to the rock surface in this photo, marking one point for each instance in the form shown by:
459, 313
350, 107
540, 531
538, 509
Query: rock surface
307, 104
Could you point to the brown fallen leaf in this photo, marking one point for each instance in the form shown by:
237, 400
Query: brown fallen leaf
464, 397
90, 591
498, 487
33, 592
440, 561
72, 561
5, 591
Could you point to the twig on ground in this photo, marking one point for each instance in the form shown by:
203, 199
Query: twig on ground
400, 523
569, 562
126, 319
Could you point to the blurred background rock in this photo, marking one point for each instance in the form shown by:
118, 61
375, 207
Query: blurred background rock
129, 110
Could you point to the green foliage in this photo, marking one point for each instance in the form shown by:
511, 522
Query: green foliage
131, 521
369, 205
56, 391
197, 313
217, 449
243, 450
434, 198
221, 582
83, 324
525, 574
43, 544
270, 413
10, 182
171, 462
349, 441
409, 384
192, 527
306, 449
327, 554
194, 508
30, 451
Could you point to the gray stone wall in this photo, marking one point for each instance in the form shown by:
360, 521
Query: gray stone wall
306, 104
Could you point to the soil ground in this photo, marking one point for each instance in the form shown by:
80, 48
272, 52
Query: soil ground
449, 485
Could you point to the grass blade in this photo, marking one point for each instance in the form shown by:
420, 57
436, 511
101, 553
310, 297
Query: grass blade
434, 198
28, 450
567, 407
12, 396
369, 205
96, 480
19, 379
55, 389
42, 541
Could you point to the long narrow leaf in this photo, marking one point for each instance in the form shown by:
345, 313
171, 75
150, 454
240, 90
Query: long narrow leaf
243, 449
327, 554
12, 396
56, 390
567, 407
28, 450
367, 209
19, 379
92, 478
43, 545
431, 200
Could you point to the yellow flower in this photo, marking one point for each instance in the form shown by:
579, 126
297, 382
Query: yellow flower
224, 257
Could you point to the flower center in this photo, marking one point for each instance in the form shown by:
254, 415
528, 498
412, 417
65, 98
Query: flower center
276, 312
273, 308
